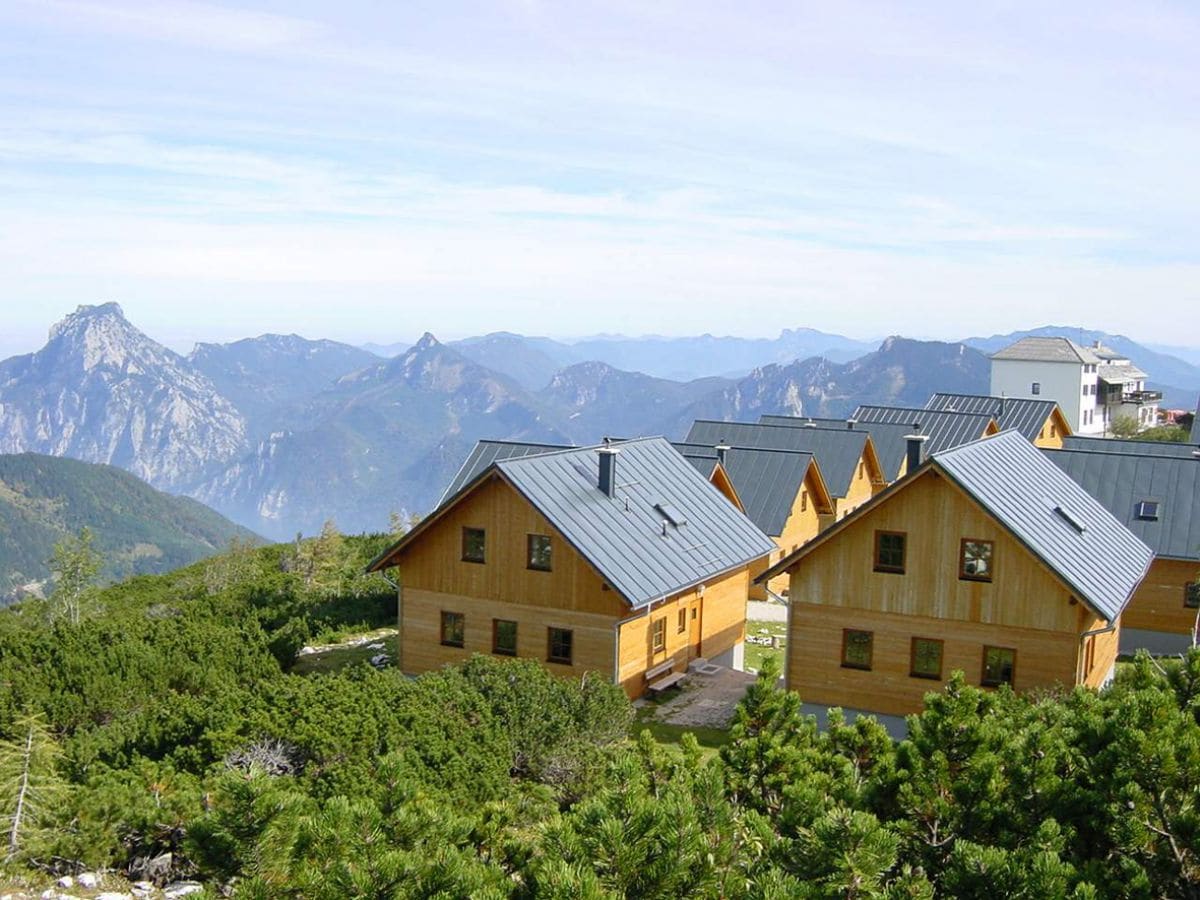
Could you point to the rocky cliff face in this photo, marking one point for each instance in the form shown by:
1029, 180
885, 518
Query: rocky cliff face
101, 391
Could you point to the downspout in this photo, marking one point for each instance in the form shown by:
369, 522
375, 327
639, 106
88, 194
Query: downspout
617, 639
399, 620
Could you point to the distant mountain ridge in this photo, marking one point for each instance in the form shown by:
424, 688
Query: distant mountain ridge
136, 529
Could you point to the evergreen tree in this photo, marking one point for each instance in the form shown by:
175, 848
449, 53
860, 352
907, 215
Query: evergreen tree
74, 568
32, 794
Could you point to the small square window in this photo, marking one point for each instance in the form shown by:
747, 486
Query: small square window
560, 642
926, 658
693, 614
975, 560
1035, 388
1191, 595
453, 628
658, 635
504, 637
681, 625
473, 545
538, 556
889, 551
857, 647
1147, 510
999, 666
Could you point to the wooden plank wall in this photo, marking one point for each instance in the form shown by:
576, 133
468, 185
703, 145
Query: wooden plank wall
1052, 431
1157, 605
860, 491
803, 523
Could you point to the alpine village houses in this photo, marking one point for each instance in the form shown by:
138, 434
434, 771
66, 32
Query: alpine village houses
984, 558
621, 560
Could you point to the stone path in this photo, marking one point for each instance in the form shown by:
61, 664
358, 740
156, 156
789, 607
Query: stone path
705, 701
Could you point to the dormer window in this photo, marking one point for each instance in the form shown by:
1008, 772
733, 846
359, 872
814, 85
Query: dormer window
1147, 510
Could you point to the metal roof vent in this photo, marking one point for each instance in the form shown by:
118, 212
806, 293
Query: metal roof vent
1146, 510
1070, 519
671, 514
810, 423
850, 423
722, 451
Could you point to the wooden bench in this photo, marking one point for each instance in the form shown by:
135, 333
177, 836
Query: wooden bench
668, 678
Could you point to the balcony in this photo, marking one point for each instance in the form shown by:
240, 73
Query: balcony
1141, 397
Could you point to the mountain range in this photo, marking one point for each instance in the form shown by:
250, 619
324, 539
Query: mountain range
137, 530
281, 433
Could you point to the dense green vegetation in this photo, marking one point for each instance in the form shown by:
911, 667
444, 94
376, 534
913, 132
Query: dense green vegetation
166, 721
137, 529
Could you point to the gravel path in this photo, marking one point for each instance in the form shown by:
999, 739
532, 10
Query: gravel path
762, 611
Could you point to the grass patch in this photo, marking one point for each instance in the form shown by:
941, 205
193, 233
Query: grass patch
757, 653
335, 659
710, 739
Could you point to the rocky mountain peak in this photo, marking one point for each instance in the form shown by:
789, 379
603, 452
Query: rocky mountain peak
100, 336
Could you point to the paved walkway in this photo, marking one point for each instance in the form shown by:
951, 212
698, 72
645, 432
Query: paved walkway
762, 611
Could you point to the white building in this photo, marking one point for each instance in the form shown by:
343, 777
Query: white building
1052, 368
1123, 390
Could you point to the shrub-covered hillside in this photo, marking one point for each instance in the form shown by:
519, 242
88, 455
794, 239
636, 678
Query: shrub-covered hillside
164, 735
137, 529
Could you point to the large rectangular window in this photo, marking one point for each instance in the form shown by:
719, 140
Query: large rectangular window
538, 552
925, 658
999, 666
559, 645
504, 637
889, 551
857, 647
454, 626
975, 559
473, 545
1191, 595
658, 635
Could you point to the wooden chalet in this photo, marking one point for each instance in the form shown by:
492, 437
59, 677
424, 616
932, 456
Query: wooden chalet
986, 559
780, 491
1153, 487
622, 560
1041, 421
847, 458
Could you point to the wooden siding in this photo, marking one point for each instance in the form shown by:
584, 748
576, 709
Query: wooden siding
1024, 606
434, 563
802, 525
866, 483
1103, 656
1157, 605
1053, 430
720, 624
422, 649
814, 666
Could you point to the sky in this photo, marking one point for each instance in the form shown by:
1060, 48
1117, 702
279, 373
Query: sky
369, 171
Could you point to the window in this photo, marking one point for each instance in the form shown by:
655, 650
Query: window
889, 551
862, 470
1191, 595
1053, 431
658, 635
559, 642
681, 626
975, 560
473, 543
999, 666
925, 658
1035, 388
538, 547
1147, 510
504, 637
803, 501
1085, 390
856, 648
453, 626
693, 614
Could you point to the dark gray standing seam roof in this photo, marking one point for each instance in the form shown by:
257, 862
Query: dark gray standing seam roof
944, 429
1121, 481
837, 450
487, 452
766, 481
1124, 445
888, 437
1102, 560
1025, 415
626, 538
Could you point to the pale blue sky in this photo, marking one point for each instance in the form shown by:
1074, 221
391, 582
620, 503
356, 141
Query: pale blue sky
367, 171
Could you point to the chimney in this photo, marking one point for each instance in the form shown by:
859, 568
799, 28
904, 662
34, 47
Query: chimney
721, 449
608, 470
915, 444
850, 423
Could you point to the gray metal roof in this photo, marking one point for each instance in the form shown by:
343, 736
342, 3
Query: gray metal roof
487, 452
1121, 481
837, 450
628, 541
1196, 425
1114, 373
1027, 416
1101, 559
945, 429
1047, 349
888, 437
1128, 445
766, 481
